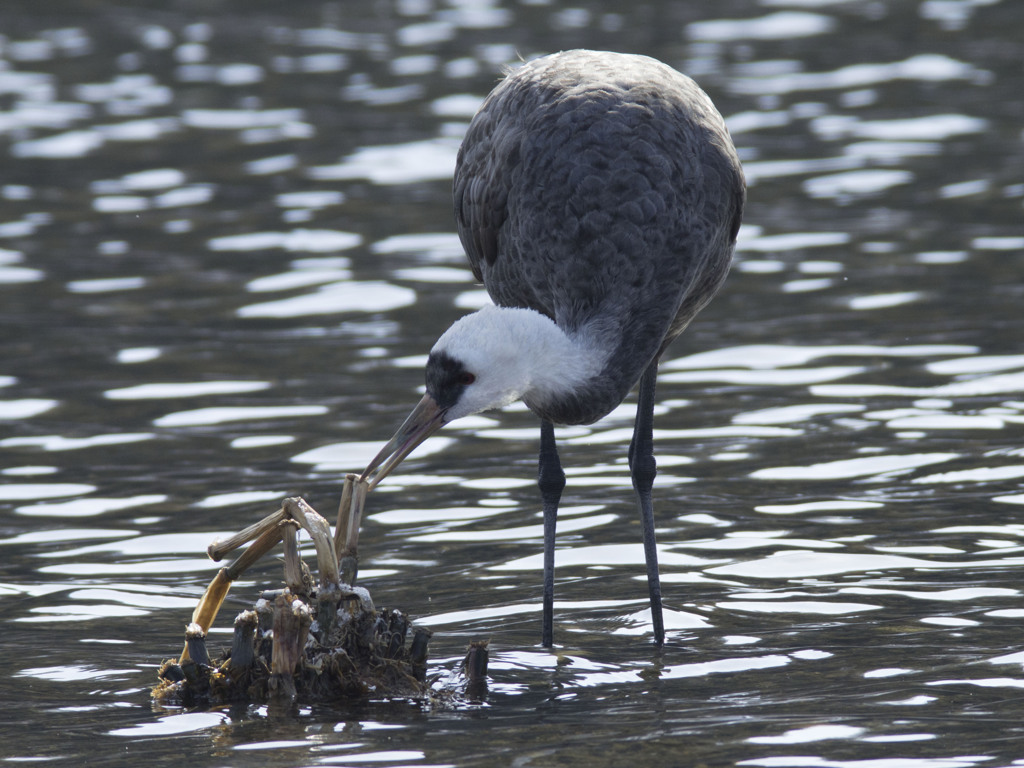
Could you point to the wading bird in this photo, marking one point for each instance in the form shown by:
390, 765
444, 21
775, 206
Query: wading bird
598, 196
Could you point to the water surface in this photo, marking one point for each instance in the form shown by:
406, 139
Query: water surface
226, 245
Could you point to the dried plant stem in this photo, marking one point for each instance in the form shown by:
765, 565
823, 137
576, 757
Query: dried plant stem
346, 534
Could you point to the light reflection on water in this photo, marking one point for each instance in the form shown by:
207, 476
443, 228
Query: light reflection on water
226, 245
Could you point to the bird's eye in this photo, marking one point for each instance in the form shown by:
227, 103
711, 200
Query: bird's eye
466, 378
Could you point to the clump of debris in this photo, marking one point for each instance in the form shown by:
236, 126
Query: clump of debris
307, 642
282, 651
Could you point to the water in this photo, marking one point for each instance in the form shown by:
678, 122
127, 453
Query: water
226, 244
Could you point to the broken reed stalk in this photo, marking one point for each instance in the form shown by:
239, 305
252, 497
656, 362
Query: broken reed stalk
264, 536
206, 611
265, 542
346, 533
195, 643
320, 532
292, 619
475, 667
476, 660
212, 599
296, 576
418, 652
219, 548
243, 642
344, 512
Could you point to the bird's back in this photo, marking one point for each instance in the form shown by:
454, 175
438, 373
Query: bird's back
602, 190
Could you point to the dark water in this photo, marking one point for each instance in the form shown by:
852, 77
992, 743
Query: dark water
226, 245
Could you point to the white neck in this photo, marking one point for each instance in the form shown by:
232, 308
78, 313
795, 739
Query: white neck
516, 354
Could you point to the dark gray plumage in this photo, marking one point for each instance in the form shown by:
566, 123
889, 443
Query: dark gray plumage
600, 189
598, 196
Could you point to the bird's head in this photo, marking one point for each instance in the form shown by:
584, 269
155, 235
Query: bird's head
486, 360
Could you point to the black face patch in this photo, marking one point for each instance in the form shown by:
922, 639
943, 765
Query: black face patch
446, 379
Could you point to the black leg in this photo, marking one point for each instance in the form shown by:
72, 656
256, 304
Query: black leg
551, 480
643, 468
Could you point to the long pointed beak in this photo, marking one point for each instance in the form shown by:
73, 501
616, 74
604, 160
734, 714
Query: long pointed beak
426, 418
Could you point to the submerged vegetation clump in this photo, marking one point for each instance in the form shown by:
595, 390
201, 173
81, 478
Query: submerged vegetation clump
308, 642
281, 651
